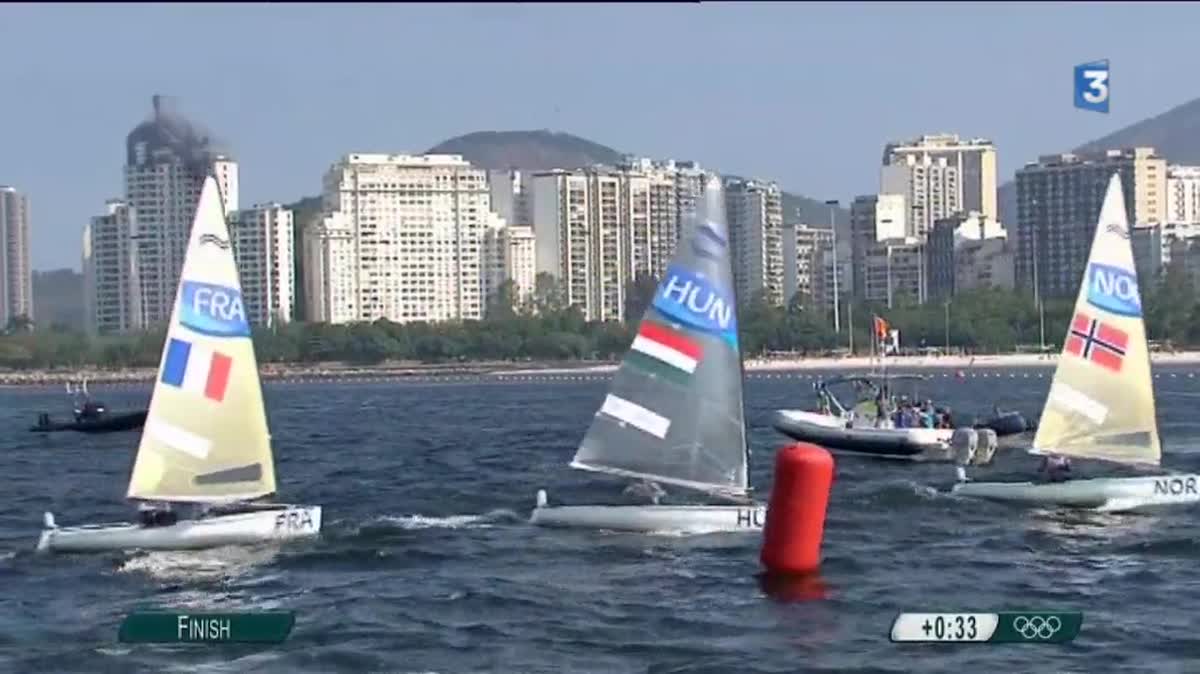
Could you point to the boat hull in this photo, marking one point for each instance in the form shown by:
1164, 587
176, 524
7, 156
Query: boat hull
652, 518
1104, 494
911, 444
110, 423
286, 522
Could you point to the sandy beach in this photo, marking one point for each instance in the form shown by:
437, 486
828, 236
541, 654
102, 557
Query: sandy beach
334, 371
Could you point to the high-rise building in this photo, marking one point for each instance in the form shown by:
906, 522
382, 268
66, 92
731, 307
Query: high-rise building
401, 239
894, 272
968, 251
598, 229
509, 193
873, 218
931, 186
1183, 195
509, 255
263, 247
583, 239
803, 247
16, 277
1058, 203
167, 160
112, 290
754, 210
972, 161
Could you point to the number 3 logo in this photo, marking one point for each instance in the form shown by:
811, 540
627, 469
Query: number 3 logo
1097, 86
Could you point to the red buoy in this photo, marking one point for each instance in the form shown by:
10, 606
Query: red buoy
795, 522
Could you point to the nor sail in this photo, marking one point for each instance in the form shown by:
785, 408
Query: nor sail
1101, 401
674, 411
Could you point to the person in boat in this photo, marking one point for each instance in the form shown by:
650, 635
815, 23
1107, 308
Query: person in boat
646, 490
1055, 468
155, 515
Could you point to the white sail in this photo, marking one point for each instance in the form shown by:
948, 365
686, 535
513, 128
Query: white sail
206, 436
1101, 402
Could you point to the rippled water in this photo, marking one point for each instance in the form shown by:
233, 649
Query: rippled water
427, 565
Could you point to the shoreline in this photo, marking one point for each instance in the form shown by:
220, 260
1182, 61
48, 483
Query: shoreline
337, 372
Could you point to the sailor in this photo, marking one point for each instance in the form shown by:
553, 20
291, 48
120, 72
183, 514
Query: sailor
645, 490
963, 443
1055, 468
152, 515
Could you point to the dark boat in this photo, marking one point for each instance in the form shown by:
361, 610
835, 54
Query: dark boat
1007, 423
90, 416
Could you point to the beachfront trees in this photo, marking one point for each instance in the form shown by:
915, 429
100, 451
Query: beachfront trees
981, 321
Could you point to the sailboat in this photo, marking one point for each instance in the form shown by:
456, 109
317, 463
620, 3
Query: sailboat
1101, 401
205, 443
674, 413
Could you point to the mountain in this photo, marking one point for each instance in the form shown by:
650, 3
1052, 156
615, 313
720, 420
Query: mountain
545, 150
58, 298
1175, 134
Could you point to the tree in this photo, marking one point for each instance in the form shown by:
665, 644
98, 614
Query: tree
548, 296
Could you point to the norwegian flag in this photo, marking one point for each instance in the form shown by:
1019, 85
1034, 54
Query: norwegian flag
1098, 342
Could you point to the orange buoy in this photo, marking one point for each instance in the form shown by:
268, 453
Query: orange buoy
795, 523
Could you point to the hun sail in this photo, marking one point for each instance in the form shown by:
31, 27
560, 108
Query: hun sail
206, 436
1101, 402
674, 411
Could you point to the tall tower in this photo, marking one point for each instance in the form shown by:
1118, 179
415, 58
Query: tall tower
16, 283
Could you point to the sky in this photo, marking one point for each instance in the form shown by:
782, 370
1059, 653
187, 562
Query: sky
805, 94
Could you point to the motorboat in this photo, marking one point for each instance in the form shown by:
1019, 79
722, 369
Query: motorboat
868, 426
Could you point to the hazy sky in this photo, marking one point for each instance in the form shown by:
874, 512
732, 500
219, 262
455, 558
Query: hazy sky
806, 94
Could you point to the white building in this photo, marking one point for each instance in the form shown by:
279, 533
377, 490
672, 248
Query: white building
972, 160
263, 247
804, 248
112, 290
754, 210
16, 276
510, 255
401, 238
1183, 195
931, 186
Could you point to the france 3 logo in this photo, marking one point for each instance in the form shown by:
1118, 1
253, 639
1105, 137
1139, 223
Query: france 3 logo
1091, 86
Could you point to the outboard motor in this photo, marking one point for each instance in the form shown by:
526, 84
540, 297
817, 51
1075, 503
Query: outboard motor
963, 443
986, 448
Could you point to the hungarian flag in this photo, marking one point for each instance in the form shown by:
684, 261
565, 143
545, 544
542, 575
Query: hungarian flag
882, 329
663, 351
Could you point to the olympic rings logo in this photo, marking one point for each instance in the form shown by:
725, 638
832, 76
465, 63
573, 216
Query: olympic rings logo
1037, 626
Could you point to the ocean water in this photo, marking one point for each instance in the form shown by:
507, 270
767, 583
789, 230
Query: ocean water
427, 563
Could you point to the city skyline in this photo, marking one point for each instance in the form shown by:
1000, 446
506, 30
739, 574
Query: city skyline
822, 150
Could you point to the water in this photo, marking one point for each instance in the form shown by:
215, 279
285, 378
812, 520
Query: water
427, 565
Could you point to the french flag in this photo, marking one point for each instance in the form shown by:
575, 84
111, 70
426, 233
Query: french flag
197, 369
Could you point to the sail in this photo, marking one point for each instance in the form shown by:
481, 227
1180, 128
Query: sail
1101, 402
674, 411
206, 436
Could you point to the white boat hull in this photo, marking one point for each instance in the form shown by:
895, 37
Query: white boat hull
652, 518
842, 437
245, 528
1105, 494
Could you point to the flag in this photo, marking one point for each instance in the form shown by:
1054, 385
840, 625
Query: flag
881, 329
196, 369
664, 351
1098, 342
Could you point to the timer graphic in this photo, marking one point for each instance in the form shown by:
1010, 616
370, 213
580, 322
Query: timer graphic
1048, 627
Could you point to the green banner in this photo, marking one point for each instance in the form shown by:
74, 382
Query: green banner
263, 627
1037, 627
